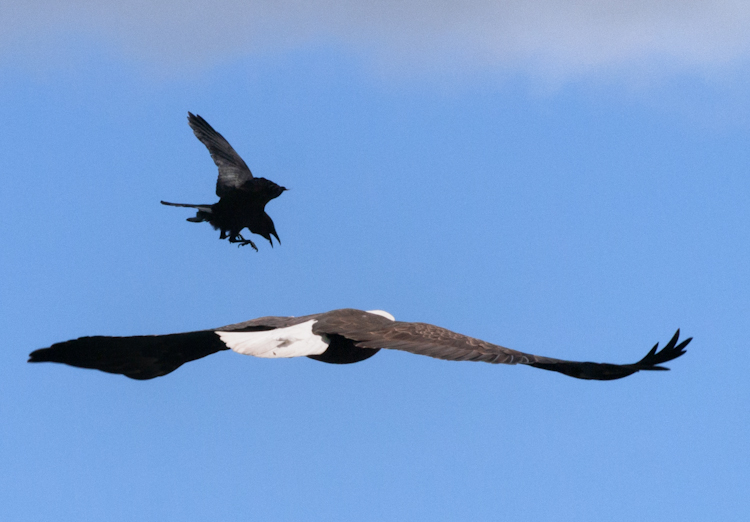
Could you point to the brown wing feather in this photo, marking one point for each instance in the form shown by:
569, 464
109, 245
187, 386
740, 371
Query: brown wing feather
441, 343
370, 331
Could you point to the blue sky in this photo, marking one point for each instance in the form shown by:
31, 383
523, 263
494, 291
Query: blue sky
566, 179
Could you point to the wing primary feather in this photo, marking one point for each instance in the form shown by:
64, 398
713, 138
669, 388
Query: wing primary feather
608, 372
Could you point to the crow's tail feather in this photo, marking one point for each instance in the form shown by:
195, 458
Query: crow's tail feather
202, 208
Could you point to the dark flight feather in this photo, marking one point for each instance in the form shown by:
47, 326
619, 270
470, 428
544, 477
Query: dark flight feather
139, 357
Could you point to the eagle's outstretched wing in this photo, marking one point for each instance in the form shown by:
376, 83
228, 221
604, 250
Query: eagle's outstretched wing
441, 343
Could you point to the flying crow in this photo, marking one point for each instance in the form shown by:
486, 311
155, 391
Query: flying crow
337, 337
242, 197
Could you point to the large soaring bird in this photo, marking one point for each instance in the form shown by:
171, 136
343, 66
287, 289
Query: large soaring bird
242, 197
338, 337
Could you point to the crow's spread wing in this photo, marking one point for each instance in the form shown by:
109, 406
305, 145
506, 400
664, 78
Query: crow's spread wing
233, 171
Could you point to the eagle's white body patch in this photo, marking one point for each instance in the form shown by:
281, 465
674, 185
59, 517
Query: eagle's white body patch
292, 341
382, 313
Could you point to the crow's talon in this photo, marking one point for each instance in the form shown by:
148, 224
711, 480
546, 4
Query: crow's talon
245, 243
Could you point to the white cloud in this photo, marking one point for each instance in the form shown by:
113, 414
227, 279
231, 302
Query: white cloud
562, 38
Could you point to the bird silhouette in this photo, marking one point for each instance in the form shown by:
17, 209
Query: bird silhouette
336, 337
242, 197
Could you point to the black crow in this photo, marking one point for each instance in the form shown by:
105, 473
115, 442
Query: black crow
337, 337
242, 197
